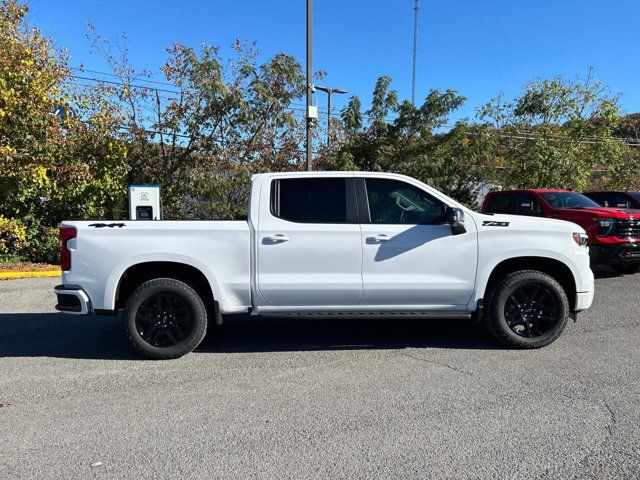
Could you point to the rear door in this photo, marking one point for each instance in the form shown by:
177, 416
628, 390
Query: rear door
410, 257
309, 251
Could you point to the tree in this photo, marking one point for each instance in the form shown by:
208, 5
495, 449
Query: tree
556, 133
223, 119
52, 165
409, 143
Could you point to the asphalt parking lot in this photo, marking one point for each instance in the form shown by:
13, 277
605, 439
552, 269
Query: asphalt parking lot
329, 398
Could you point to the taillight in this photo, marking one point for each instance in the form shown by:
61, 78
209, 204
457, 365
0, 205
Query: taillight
66, 234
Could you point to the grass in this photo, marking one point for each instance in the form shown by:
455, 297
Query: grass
16, 264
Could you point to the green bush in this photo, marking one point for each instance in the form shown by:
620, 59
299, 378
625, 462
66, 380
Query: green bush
12, 236
42, 244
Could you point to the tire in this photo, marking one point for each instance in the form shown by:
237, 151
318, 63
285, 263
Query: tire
165, 318
625, 268
522, 324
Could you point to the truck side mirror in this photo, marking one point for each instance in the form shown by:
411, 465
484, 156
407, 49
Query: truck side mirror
455, 218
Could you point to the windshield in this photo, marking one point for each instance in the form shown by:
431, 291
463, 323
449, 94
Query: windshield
568, 200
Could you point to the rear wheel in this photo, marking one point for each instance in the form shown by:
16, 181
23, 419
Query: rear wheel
165, 318
527, 309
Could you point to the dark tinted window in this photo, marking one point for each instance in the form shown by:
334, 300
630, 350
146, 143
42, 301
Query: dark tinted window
499, 204
612, 199
526, 204
601, 198
310, 200
395, 202
515, 204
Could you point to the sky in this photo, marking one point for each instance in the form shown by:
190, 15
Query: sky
477, 47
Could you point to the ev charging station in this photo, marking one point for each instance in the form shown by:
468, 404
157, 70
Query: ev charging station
144, 202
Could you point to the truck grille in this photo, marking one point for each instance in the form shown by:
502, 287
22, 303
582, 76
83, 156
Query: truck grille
627, 229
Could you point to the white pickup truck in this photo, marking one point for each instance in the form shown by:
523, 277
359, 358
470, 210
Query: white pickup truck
318, 243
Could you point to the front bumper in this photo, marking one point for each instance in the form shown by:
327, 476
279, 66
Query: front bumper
583, 301
621, 253
72, 299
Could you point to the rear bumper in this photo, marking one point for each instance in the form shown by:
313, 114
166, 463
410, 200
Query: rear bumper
72, 299
627, 253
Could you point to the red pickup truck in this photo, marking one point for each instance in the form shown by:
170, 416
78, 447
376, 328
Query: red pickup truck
614, 233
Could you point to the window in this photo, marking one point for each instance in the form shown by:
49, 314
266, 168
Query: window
612, 199
568, 200
310, 200
520, 203
395, 202
499, 203
526, 204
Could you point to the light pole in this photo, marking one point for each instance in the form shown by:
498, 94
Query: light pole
310, 119
415, 53
329, 92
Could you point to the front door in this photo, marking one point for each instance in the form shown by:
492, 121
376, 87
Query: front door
410, 258
309, 251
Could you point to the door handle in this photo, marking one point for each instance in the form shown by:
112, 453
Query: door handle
278, 238
382, 237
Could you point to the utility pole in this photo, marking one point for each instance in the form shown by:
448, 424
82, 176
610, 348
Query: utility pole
415, 51
310, 119
329, 92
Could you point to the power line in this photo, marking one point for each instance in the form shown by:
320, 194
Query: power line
139, 79
632, 142
588, 140
144, 87
110, 82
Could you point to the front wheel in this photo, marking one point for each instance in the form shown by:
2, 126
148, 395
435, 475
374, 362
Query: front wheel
527, 309
165, 318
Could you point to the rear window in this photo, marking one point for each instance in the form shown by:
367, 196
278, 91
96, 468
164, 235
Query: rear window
310, 200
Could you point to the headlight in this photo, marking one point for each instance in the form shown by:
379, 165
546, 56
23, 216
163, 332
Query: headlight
581, 239
606, 226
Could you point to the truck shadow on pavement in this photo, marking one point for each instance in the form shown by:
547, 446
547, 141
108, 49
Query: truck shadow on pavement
67, 336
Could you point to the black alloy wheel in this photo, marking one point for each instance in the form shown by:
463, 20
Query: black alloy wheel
526, 309
532, 310
164, 320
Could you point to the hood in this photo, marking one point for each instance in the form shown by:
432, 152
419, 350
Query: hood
523, 222
608, 212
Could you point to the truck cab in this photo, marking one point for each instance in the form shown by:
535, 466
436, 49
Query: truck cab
338, 243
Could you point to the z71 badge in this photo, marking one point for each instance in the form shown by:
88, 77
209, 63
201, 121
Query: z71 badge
493, 223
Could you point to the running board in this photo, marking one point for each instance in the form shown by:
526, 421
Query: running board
443, 315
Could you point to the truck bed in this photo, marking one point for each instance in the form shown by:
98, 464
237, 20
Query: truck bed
103, 249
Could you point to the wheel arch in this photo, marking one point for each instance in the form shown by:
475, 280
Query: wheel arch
136, 274
551, 266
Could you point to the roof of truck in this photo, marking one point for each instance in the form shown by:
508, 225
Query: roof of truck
534, 190
612, 191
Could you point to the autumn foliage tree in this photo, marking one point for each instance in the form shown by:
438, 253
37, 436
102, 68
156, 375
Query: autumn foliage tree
53, 163
220, 120
556, 134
